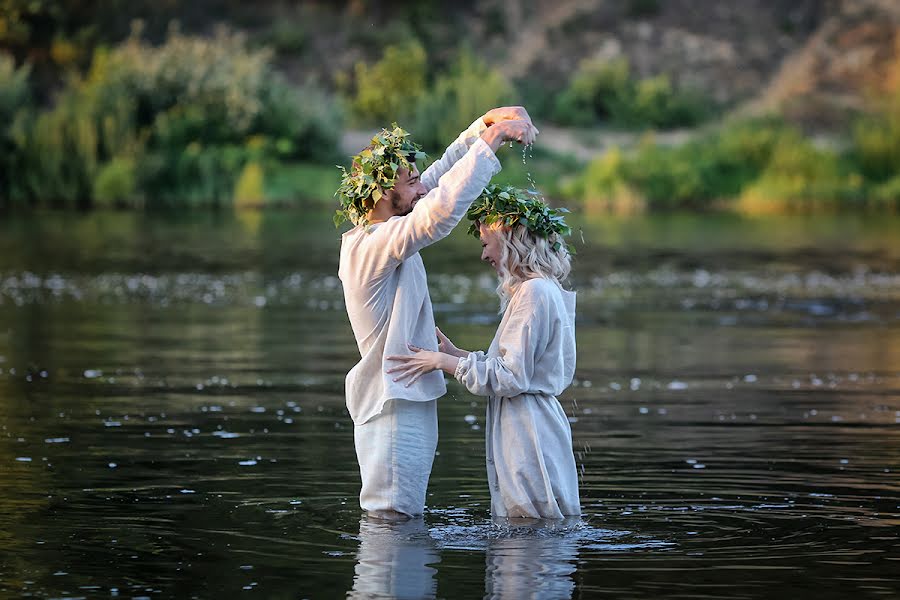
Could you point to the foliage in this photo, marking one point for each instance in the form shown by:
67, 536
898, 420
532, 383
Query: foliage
396, 88
800, 175
391, 87
59, 153
250, 187
762, 164
292, 183
876, 141
596, 89
374, 170
14, 99
187, 116
287, 37
470, 87
605, 91
17, 18
887, 194
115, 182
511, 207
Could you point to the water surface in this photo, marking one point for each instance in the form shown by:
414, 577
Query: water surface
172, 421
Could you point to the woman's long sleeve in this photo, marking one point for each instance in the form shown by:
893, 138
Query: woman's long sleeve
524, 337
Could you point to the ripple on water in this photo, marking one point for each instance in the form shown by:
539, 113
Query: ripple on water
458, 532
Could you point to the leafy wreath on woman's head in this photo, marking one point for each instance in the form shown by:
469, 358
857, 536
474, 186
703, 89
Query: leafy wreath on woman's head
373, 171
513, 206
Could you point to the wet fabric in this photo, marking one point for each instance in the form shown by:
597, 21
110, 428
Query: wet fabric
384, 282
395, 451
530, 464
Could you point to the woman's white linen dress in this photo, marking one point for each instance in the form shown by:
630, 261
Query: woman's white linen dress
530, 464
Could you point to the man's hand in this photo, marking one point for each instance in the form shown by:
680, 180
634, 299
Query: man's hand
507, 113
519, 131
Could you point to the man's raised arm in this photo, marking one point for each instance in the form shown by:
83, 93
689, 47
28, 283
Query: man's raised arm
464, 141
436, 214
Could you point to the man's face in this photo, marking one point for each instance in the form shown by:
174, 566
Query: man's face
407, 190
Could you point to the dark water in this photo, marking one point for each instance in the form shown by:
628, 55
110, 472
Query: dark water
172, 420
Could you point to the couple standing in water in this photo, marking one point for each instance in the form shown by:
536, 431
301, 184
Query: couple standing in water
392, 392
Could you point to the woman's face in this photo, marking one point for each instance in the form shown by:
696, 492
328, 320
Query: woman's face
491, 246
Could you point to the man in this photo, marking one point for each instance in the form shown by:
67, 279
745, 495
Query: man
397, 212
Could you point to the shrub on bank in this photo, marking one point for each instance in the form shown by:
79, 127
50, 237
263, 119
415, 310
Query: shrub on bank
14, 101
876, 141
605, 91
756, 166
172, 124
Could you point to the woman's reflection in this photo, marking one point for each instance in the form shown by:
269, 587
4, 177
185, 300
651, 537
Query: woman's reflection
394, 560
536, 560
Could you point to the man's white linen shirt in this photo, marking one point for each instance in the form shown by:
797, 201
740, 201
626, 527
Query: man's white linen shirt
384, 281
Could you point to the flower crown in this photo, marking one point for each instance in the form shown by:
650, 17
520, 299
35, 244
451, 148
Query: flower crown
513, 206
373, 171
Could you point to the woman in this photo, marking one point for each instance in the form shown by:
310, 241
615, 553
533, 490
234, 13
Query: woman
530, 464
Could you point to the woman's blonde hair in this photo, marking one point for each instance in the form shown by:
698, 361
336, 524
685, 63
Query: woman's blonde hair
525, 256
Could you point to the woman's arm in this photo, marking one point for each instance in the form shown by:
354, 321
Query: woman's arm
418, 363
522, 341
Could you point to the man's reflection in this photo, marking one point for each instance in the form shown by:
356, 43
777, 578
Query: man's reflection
394, 560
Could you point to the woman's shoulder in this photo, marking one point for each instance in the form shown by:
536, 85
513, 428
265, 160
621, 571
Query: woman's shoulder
539, 287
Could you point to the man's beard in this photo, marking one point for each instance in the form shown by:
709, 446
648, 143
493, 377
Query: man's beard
395, 204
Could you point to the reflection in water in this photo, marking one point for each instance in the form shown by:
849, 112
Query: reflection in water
536, 560
394, 560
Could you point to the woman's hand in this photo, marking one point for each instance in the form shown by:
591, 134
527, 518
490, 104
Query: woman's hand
420, 362
506, 113
447, 347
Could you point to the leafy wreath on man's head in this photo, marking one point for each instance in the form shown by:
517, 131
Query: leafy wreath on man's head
513, 206
374, 170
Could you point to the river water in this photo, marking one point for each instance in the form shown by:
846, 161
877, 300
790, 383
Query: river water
172, 419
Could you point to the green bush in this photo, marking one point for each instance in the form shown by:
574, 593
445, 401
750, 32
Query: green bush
886, 194
763, 163
800, 176
286, 37
59, 155
188, 115
115, 183
605, 91
876, 142
389, 89
597, 88
14, 102
469, 89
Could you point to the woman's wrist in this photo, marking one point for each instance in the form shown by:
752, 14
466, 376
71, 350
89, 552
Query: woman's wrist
449, 363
